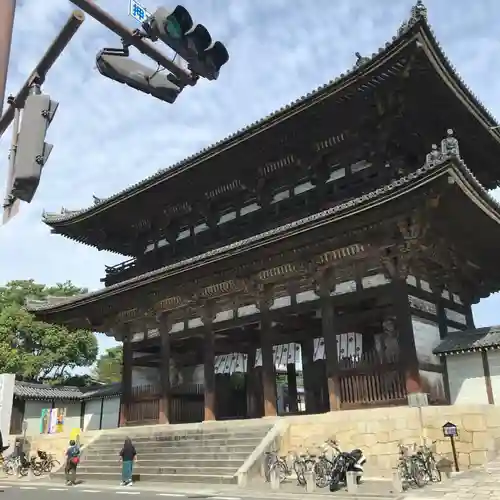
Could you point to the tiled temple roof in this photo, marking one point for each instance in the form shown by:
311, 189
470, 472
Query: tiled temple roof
440, 158
28, 390
418, 18
477, 339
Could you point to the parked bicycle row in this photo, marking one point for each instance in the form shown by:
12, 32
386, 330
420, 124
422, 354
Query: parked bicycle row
42, 463
330, 466
416, 468
417, 465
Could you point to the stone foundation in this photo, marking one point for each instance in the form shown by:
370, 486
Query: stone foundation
378, 432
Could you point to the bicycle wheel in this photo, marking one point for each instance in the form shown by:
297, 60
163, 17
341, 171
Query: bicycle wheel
300, 469
23, 471
418, 473
281, 468
268, 462
48, 466
322, 476
435, 473
37, 469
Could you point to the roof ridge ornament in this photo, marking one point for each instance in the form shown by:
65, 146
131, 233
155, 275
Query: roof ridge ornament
449, 149
97, 200
417, 13
360, 60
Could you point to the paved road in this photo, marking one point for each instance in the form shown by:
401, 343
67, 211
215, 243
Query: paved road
48, 491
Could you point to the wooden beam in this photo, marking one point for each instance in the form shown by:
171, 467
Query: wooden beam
487, 377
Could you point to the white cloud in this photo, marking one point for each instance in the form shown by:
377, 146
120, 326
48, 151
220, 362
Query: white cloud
108, 136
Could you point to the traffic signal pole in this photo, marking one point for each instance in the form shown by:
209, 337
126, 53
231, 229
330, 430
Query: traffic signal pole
133, 38
7, 14
39, 74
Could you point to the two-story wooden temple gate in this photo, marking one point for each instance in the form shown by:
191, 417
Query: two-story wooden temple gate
305, 232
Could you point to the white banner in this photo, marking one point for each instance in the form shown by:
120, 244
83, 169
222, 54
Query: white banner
7, 381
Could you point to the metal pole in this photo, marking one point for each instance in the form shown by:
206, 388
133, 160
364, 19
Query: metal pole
46, 62
7, 14
131, 37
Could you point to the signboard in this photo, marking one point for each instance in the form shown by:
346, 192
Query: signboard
450, 430
138, 11
7, 381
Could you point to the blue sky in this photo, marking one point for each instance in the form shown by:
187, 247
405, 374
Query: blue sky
108, 136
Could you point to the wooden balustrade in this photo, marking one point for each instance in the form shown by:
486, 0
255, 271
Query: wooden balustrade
370, 389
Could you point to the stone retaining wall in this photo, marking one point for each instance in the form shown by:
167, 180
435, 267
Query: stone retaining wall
378, 431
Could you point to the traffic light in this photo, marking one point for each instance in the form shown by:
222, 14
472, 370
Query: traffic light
120, 68
32, 151
193, 43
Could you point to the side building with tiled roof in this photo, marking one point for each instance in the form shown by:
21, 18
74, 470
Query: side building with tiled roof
89, 408
344, 236
472, 360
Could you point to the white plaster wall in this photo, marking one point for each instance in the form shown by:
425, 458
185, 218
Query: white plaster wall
427, 338
110, 413
466, 379
92, 416
494, 362
145, 376
32, 414
7, 381
73, 411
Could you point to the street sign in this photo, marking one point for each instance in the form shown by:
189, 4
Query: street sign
450, 430
138, 11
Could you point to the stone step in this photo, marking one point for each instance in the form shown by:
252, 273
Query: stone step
186, 437
188, 455
156, 469
162, 478
176, 449
154, 464
157, 445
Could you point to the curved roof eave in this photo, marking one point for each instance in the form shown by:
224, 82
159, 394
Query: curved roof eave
432, 169
364, 66
417, 28
451, 77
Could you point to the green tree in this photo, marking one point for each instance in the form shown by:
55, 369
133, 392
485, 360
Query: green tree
35, 350
108, 368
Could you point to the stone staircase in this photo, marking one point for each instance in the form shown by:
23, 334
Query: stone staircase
202, 453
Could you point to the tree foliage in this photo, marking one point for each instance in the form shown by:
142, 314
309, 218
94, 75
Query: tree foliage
108, 368
35, 350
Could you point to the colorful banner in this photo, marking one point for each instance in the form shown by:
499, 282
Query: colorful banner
75, 436
60, 418
45, 421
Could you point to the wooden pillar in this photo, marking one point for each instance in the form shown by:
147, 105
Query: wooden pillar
487, 377
164, 330
207, 316
324, 283
404, 329
266, 345
307, 348
469, 318
443, 332
126, 376
252, 410
291, 376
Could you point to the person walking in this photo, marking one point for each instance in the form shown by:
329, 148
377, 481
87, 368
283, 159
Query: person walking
128, 456
72, 461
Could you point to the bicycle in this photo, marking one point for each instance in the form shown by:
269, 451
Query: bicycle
324, 466
301, 464
426, 454
411, 468
47, 461
272, 462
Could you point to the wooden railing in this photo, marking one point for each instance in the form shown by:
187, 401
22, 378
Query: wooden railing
368, 360
371, 389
